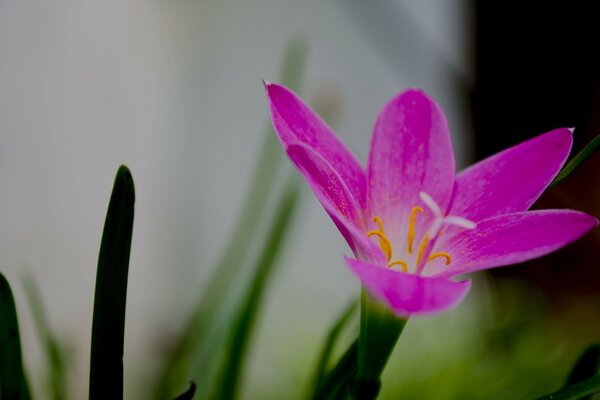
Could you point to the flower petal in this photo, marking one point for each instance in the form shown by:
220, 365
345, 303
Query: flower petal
511, 239
512, 180
295, 122
411, 152
408, 294
337, 200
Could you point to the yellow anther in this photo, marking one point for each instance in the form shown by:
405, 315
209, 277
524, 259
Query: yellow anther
411, 227
441, 254
401, 263
422, 249
384, 243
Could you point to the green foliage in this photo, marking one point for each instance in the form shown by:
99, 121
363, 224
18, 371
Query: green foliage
587, 365
188, 394
108, 328
56, 379
206, 337
336, 384
332, 337
578, 160
237, 346
13, 383
578, 391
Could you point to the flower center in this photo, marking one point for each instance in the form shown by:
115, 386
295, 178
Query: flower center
434, 231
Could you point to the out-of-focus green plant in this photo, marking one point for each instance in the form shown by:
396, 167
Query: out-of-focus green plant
578, 160
13, 383
56, 356
209, 334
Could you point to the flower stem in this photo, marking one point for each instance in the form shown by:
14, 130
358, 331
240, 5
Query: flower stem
379, 332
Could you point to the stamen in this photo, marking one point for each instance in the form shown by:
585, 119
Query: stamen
379, 222
422, 249
401, 263
411, 227
440, 254
430, 202
460, 222
384, 243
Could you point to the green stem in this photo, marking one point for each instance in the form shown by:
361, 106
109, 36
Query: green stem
379, 332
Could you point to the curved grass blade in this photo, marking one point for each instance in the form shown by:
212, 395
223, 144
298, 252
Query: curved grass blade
587, 365
578, 160
247, 314
188, 394
577, 391
13, 384
108, 328
332, 337
202, 336
336, 383
56, 358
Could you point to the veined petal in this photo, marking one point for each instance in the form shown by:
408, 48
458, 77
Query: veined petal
512, 180
295, 122
411, 152
337, 200
511, 239
408, 294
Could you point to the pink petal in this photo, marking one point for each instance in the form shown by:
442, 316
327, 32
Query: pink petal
410, 152
408, 294
512, 238
295, 122
511, 180
337, 200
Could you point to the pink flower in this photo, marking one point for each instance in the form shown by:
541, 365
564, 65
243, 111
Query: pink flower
413, 224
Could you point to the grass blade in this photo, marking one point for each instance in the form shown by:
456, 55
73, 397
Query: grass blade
108, 329
245, 320
202, 336
56, 358
578, 160
13, 384
587, 365
188, 394
577, 391
328, 346
335, 385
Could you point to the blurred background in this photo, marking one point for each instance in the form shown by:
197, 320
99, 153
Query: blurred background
173, 89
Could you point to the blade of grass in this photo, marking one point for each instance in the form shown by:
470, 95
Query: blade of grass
108, 328
188, 394
245, 320
329, 344
585, 367
56, 358
13, 383
204, 331
578, 160
577, 391
336, 383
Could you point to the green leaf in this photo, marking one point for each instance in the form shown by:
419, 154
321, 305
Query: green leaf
578, 160
196, 352
336, 383
587, 365
329, 344
108, 328
243, 325
13, 383
577, 391
56, 357
188, 394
